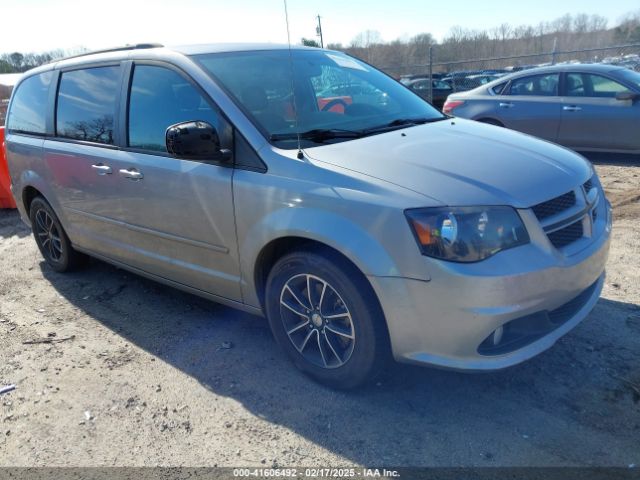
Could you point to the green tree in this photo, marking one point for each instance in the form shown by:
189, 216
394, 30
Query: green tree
16, 59
308, 42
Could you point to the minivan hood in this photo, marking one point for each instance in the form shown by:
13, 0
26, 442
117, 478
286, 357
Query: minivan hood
462, 162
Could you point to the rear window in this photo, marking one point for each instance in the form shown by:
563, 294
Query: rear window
536, 85
29, 108
87, 104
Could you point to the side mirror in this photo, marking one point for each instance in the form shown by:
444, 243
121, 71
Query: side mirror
195, 140
627, 96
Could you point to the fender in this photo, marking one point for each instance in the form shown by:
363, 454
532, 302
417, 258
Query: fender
30, 178
322, 226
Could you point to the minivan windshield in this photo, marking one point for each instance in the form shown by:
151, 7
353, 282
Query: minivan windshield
336, 97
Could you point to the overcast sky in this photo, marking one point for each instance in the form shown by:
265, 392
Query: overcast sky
39, 25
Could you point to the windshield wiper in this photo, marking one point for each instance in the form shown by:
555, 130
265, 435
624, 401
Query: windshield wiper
402, 122
320, 135
317, 135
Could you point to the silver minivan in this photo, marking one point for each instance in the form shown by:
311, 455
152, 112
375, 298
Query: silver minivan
306, 186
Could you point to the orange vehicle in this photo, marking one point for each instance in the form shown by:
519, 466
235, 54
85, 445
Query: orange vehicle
334, 104
6, 199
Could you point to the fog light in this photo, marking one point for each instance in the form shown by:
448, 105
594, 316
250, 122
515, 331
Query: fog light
497, 335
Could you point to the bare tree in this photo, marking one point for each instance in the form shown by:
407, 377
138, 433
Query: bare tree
17, 62
568, 32
629, 28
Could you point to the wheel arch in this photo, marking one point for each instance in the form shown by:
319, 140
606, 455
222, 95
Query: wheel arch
490, 121
28, 194
284, 230
279, 247
28, 186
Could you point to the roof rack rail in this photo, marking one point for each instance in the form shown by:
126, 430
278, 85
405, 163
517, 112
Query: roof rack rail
138, 46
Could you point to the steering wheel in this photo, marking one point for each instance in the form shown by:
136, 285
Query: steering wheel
332, 103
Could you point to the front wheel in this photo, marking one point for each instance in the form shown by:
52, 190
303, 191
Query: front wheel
323, 313
51, 238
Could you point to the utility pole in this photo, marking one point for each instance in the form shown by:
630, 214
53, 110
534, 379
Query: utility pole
319, 32
431, 73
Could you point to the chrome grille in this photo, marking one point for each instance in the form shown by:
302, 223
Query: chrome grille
564, 236
555, 205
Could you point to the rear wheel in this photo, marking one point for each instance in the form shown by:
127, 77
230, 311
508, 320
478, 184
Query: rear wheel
323, 313
51, 238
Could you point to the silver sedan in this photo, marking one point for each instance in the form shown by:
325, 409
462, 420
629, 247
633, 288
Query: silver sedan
584, 107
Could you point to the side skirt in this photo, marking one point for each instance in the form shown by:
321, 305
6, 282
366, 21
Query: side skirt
179, 286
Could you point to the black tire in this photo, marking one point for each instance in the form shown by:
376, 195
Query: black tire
51, 238
365, 355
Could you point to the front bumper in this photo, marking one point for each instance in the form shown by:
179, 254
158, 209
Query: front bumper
444, 321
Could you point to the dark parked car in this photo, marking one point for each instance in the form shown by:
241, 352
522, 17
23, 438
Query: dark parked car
441, 90
406, 79
462, 84
585, 107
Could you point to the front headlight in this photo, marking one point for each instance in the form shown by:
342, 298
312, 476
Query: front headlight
466, 234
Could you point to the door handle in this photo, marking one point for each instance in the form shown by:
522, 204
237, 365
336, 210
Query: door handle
571, 108
131, 173
102, 169
506, 105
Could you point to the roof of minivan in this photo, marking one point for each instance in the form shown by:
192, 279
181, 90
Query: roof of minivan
125, 52
234, 47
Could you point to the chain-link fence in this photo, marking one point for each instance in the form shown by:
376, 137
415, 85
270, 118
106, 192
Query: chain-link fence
435, 80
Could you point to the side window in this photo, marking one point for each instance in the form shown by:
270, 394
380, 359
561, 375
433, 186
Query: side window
159, 98
441, 85
421, 85
30, 104
87, 103
575, 85
536, 85
604, 87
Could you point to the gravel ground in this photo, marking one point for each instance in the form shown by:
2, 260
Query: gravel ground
139, 374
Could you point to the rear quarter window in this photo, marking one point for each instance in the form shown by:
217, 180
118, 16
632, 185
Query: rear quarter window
497, 89
28, 112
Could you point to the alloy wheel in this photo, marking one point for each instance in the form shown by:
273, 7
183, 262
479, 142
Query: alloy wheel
317, 321
48, 235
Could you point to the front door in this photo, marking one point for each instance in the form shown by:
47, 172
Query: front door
530, 105
178, 213
592, 117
